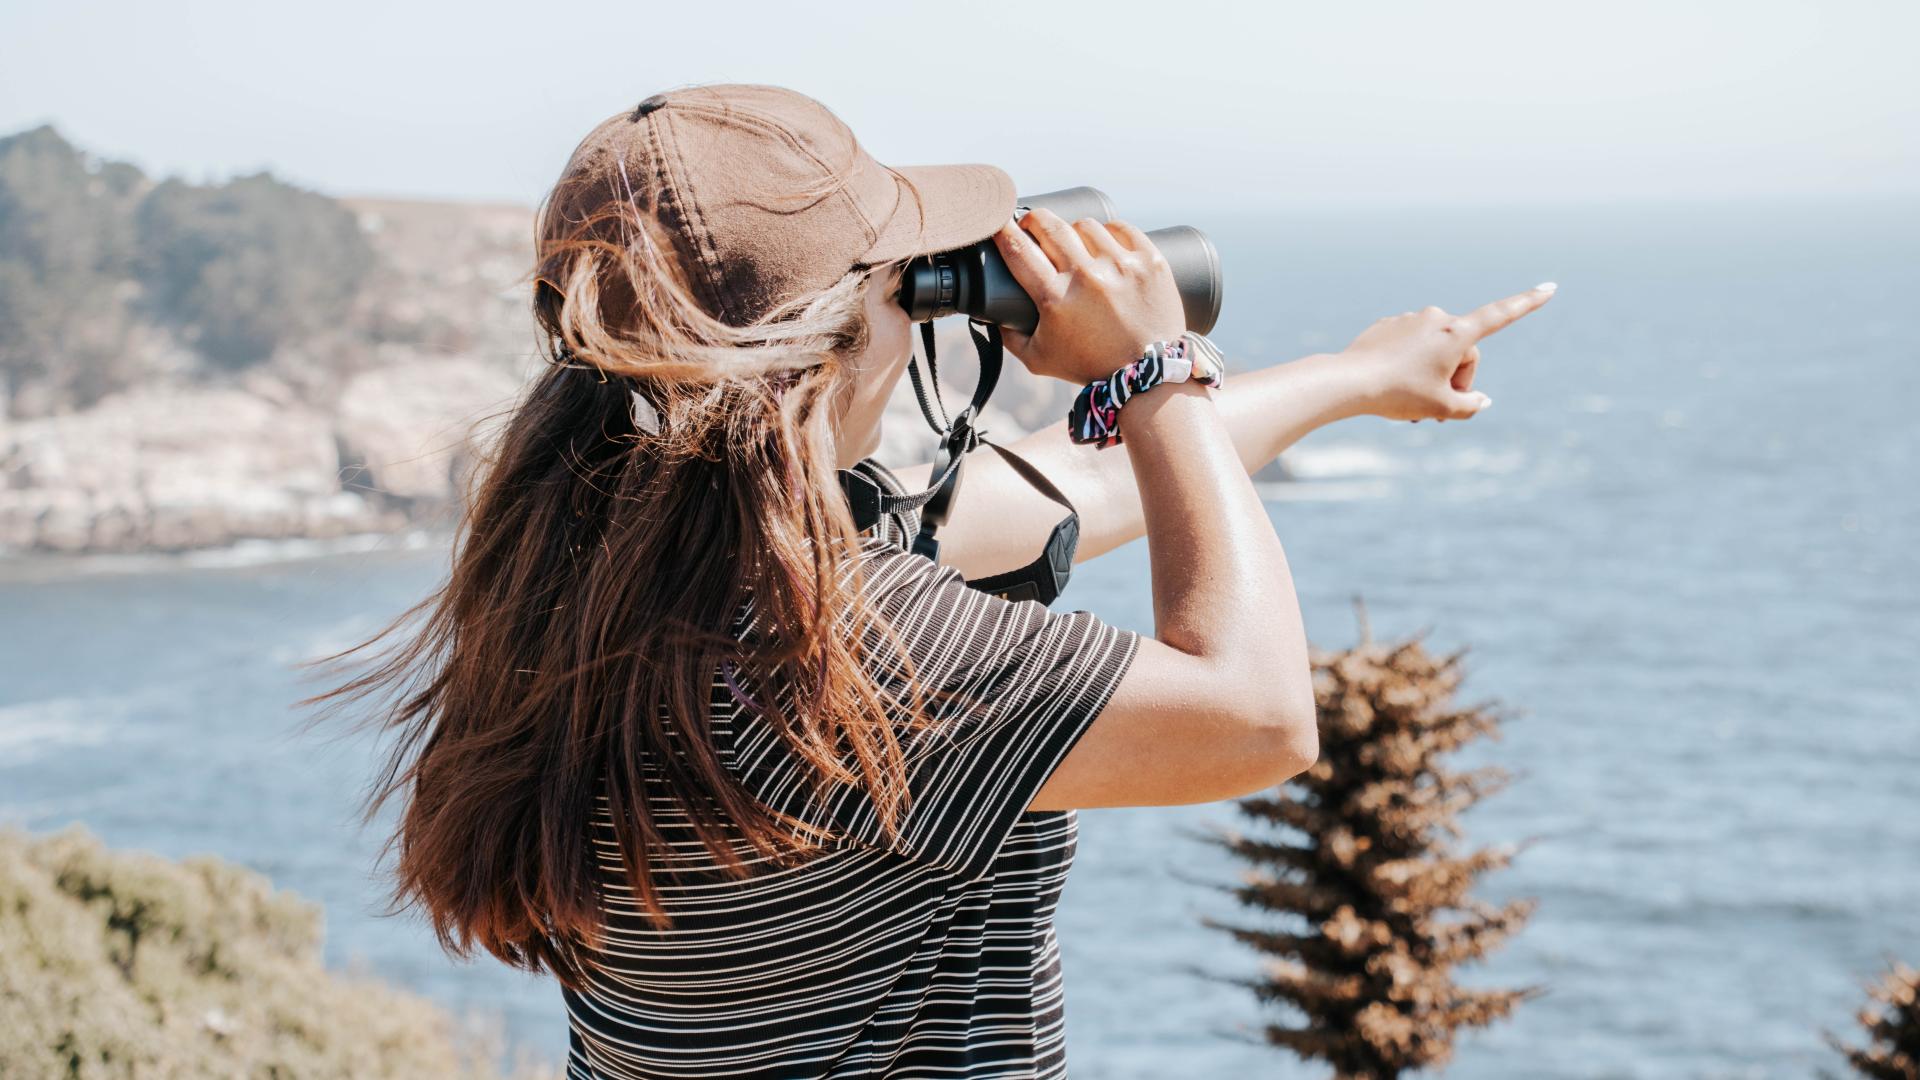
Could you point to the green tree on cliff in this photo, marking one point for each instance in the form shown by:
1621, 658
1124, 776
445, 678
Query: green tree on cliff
66, 252
94, 256
241, 267
1357, 860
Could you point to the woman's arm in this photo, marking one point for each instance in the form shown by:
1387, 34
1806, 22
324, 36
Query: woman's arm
999, 522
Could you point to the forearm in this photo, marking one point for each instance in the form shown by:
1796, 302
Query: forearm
999, 522
1222, 591
1264, 412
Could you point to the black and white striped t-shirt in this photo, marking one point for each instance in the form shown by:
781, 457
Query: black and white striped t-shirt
931, 957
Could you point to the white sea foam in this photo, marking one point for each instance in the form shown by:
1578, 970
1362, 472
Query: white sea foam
264, 552
1344, 471
32, 728
34, 566
1339, 461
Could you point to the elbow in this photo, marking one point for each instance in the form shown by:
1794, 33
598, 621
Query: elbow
1303, 750
1288, 726
1270, 727
1298, 746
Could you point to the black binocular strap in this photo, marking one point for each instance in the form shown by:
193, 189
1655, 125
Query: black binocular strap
957, 435
1045, 577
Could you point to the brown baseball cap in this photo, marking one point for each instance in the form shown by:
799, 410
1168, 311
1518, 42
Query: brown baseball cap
769, 196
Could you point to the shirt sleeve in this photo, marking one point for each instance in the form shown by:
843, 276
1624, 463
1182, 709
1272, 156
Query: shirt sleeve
1010, 688
899, 527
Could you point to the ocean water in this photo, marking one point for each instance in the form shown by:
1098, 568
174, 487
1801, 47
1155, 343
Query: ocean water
1682, 545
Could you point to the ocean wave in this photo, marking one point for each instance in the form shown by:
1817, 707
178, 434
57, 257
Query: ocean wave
31, 729
1339, 462
265, 552
34, 566
1344, 471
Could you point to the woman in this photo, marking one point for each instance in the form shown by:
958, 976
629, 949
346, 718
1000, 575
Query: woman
772, 797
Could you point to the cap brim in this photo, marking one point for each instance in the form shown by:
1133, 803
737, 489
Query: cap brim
958, 205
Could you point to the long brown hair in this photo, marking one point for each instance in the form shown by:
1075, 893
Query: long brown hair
598, 567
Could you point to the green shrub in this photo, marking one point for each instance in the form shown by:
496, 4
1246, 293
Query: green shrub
241, 267
66, 253
124, 964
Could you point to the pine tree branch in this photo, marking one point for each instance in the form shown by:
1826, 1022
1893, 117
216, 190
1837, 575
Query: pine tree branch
1362, 848
1893, 1029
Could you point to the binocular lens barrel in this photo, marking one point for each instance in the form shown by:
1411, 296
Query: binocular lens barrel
975, 281
1071, 204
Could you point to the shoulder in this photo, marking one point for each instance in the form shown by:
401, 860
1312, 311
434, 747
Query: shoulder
896, 578
897, 529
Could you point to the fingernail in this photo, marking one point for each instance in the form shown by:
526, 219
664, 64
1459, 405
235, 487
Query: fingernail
1485, 403
1546, 287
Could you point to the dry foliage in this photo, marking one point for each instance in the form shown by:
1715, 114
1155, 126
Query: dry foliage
1893, 1050
1359, 857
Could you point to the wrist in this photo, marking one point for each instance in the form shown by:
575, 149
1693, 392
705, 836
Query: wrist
1354, 386
1153, 418
1189, 358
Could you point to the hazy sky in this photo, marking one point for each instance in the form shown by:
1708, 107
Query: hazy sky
1243, 104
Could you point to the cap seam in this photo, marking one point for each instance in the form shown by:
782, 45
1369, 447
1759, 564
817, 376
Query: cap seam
871, 230
704, 251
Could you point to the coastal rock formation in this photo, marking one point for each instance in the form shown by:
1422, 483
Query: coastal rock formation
412, 428
174, 467
254, 361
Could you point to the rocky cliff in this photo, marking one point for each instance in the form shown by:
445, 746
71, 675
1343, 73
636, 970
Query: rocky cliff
368, 425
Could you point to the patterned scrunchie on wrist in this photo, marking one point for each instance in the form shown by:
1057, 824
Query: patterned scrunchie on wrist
1095, 416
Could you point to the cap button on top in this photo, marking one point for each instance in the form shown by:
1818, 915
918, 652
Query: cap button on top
648, 106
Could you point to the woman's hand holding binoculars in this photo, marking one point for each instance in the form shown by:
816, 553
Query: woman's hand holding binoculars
1104, 291
1419, 365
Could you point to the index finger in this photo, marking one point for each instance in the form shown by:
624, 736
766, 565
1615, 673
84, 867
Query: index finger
1490, 318
1028, 264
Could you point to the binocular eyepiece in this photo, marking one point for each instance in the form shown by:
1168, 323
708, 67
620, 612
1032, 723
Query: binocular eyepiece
975, 281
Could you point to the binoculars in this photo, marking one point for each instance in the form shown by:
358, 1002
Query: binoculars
975, 281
